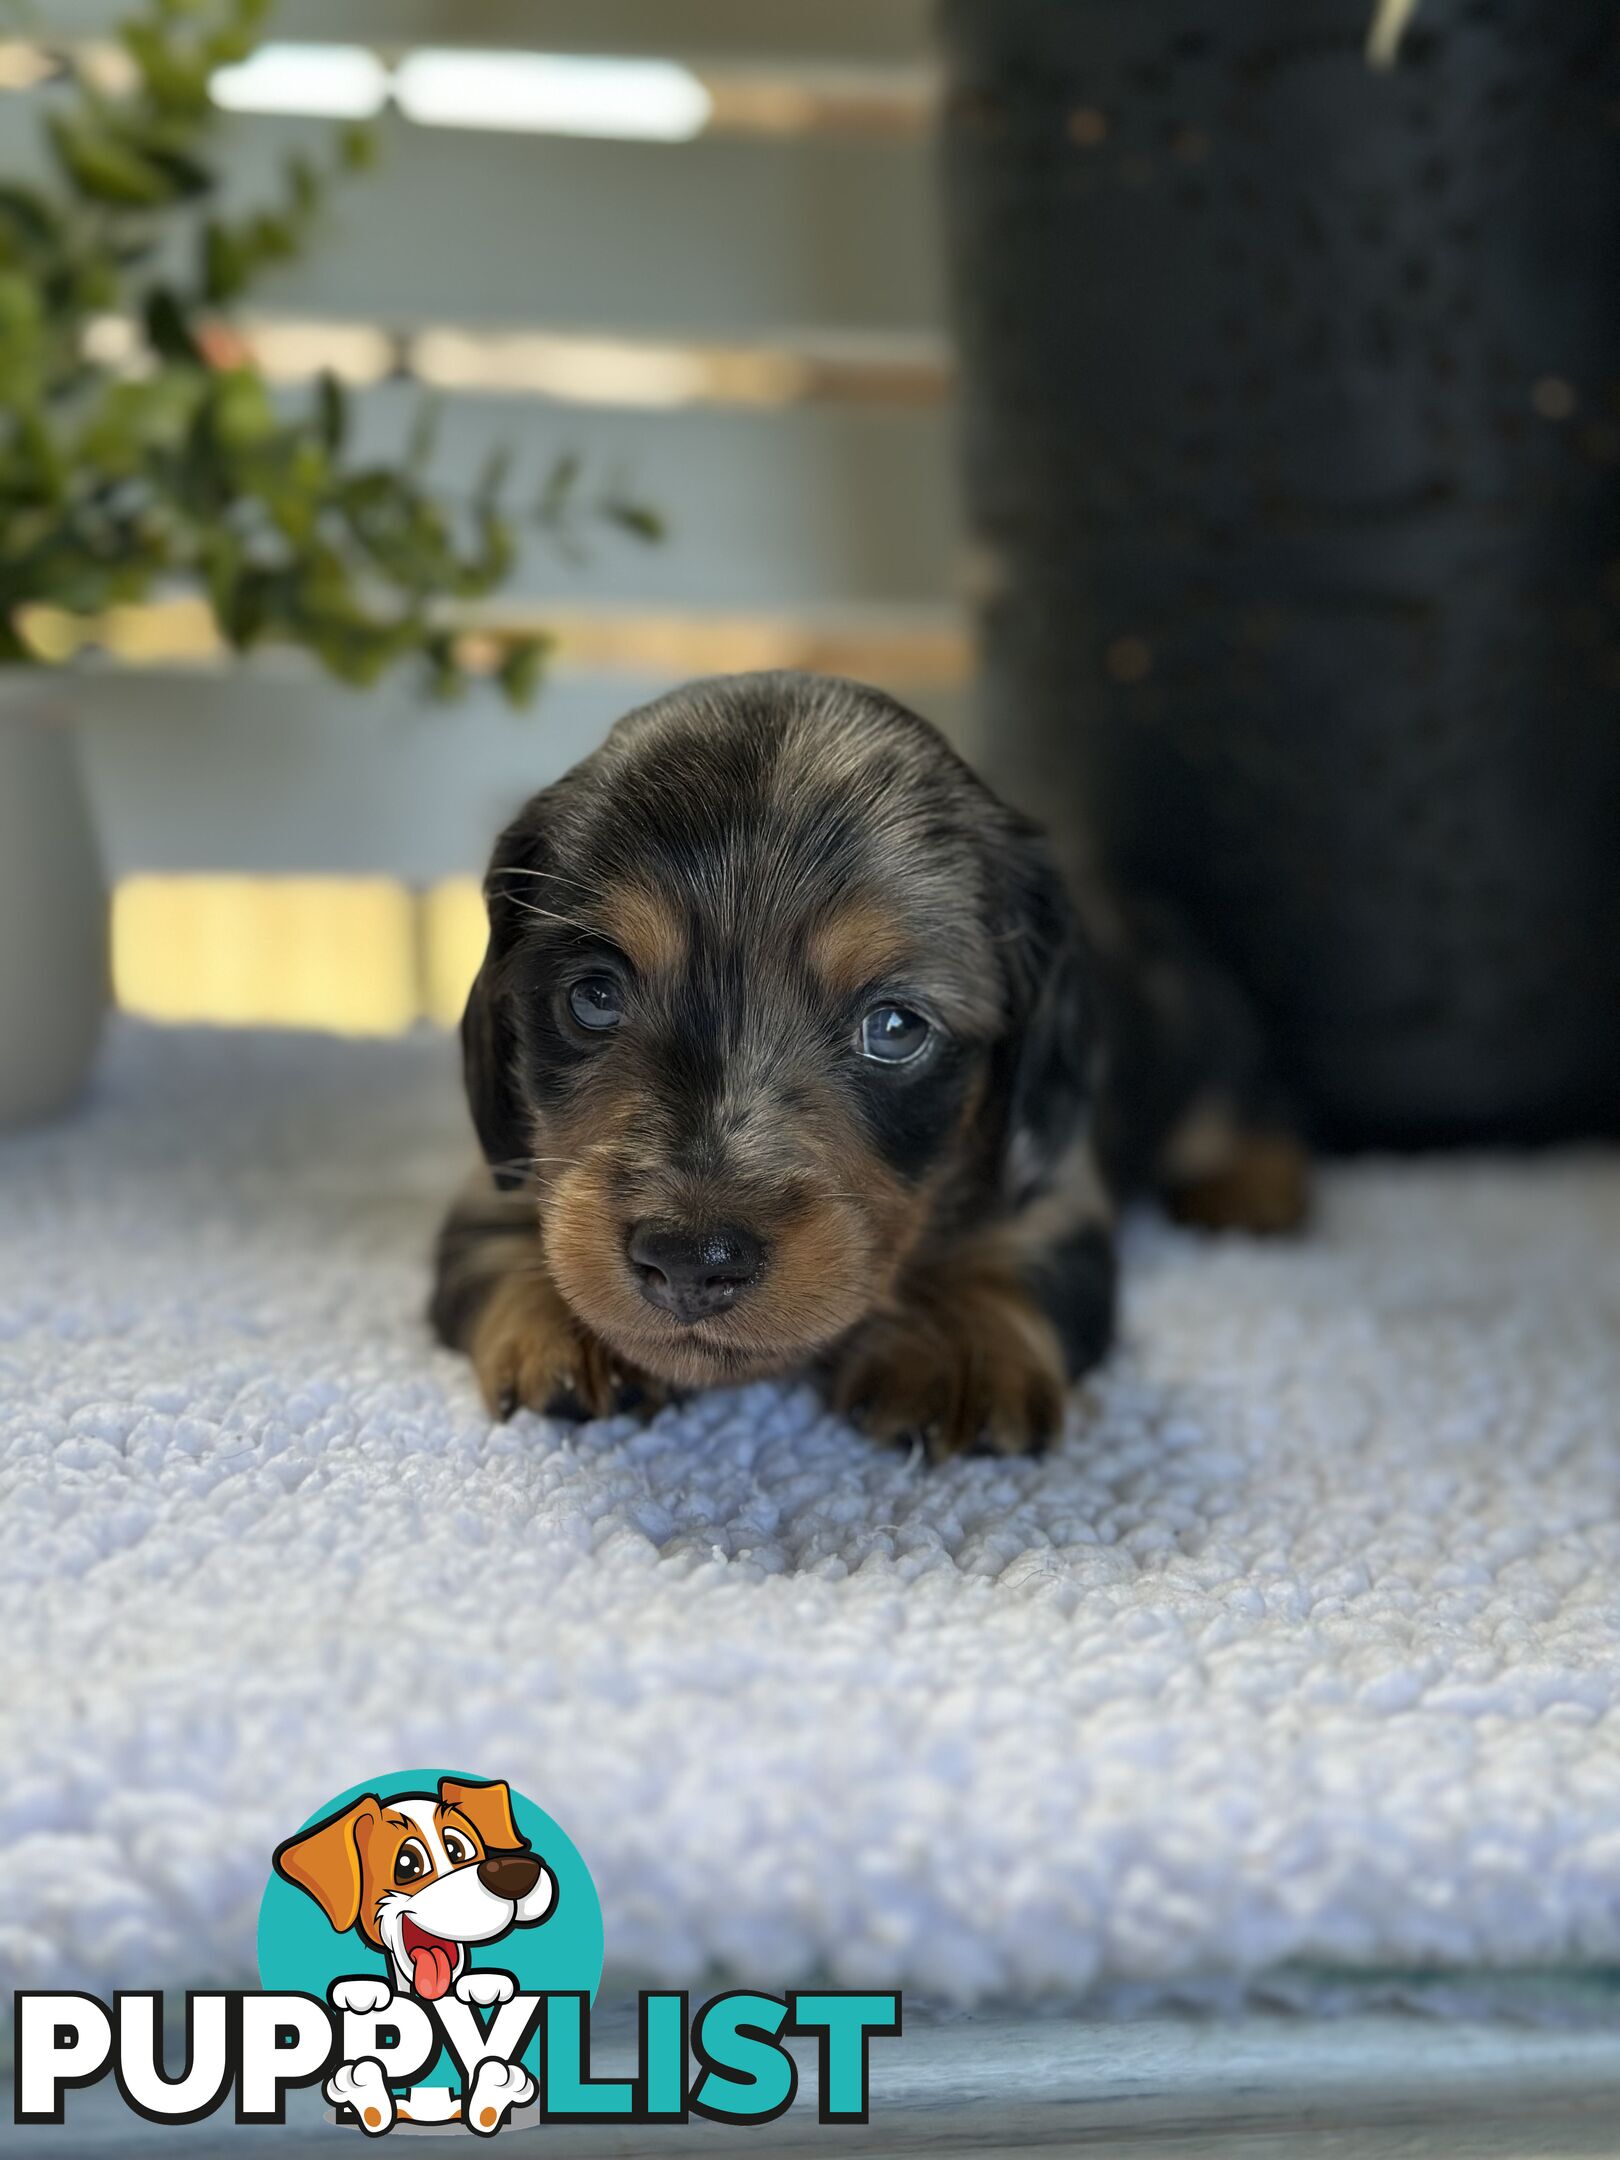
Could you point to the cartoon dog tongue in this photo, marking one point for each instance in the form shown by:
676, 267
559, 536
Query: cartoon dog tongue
433, 1963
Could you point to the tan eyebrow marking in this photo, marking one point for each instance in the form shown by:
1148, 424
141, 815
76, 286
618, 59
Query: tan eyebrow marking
855, 944
645, 927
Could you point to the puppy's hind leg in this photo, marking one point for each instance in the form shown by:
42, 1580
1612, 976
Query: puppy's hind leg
494, 1300
1222, 1171
1192, 1109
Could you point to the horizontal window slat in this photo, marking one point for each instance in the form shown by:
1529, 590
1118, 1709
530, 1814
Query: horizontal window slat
721, 240
812, 508
716, 240
917, 645
258, 774
806, 29
581, 367
657, 97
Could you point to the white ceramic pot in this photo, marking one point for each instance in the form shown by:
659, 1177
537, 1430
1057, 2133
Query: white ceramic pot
53, 907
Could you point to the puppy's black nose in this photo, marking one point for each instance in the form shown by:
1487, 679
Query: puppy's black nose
693, 1273
510, 1875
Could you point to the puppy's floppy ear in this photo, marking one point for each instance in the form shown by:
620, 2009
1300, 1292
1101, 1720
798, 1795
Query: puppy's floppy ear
489, 1809
324, 1861
1051, 1040
488, 1051
489, 1044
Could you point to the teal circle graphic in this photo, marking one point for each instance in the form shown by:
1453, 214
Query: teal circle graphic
301, 1952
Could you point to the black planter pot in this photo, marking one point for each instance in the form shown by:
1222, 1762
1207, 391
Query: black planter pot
1292, 416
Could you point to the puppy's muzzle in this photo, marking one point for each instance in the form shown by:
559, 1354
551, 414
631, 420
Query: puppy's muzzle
509, 1875
693, 1274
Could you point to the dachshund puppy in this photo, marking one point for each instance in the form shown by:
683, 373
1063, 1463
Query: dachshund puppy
791, 1052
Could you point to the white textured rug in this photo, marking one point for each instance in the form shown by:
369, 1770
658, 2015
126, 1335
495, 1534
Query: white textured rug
1304, 1649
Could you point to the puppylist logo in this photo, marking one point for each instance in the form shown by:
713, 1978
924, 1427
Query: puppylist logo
430, 1946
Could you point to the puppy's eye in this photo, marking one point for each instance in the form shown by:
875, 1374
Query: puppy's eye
411, 1862
457, 1851
596, 1002
894, 1034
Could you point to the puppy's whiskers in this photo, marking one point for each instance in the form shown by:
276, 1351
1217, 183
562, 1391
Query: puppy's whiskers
554, 877
569, 922
555, 1163
513, 1165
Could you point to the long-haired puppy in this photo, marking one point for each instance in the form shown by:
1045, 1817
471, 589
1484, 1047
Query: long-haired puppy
790, 1052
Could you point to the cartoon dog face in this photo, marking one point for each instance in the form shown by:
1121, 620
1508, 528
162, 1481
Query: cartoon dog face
421, 1876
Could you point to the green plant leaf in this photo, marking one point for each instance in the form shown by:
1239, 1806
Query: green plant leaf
21, 315
304, 190
225, 263
35, 223
271, 239
176, 77
358, 148
22, 340
188, 176
492, 564
493, 476
167, 331
557, 491
104, 169
423, 439
14, 650
236, 37
240, 409
639, 520
521, 668
187, 471
446, 677
331, 411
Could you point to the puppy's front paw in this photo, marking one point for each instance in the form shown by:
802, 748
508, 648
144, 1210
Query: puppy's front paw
497, 2088
363, 2087
364, 1995
485, 1988
975, 1364
529, 1352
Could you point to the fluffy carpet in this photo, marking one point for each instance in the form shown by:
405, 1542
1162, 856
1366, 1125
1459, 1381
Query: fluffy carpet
1303, 1648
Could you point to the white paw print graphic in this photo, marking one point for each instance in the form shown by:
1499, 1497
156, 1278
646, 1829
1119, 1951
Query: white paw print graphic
497, 2088
486, 1989
363, 2087
363, 1996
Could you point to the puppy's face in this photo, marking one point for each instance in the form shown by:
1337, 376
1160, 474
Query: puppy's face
762, 975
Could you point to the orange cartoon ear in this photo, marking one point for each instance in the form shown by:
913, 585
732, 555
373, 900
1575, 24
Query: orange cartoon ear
489, 1809
325, 1860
